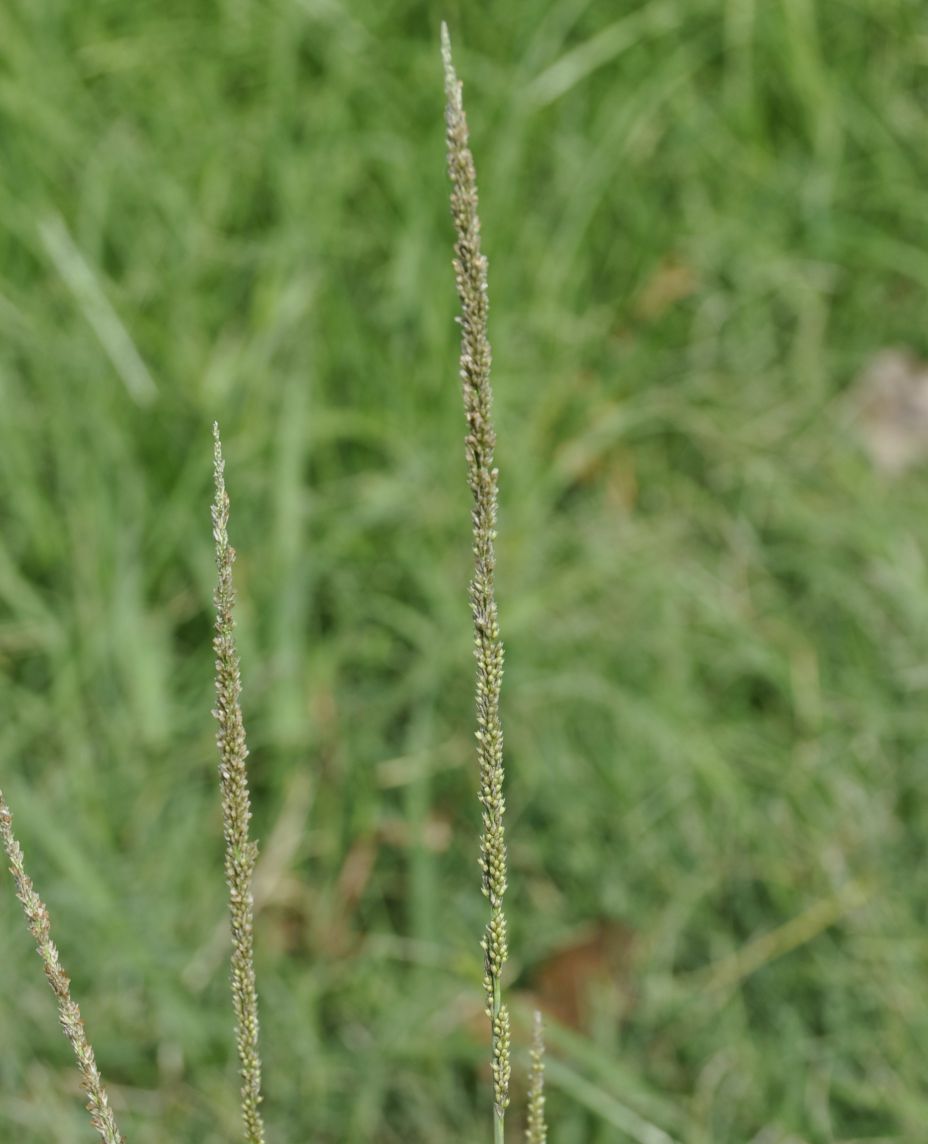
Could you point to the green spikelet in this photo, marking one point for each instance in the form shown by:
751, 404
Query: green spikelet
535, 1130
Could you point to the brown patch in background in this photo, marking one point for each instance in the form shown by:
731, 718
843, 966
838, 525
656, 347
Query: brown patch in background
593, 968
890, 402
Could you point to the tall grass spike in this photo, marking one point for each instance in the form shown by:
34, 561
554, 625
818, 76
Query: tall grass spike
470, 268
241, 851
535, 1130
69, 1015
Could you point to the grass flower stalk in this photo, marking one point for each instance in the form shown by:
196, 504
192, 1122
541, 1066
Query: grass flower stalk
470, 268
241, 851
535, 1130
69, 1015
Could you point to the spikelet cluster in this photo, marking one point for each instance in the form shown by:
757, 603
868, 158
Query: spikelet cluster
535, 1130
470, 268
241, 851
69, 1015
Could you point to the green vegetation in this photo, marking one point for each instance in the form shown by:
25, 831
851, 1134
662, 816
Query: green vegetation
702, 219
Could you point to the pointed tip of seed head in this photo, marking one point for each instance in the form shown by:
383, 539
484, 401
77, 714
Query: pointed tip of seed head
450, 76
218, 463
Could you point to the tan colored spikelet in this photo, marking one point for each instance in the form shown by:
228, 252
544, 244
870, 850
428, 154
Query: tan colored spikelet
241, 851
535, 1130
470, 268
69, 1015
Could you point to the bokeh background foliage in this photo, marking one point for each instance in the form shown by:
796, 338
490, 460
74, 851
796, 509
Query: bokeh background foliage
702, 217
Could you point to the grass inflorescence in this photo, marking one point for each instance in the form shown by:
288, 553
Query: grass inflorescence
240, 851
470, 267
69, 1014
703, 220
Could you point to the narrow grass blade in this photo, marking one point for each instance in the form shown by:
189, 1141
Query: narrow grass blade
98, 310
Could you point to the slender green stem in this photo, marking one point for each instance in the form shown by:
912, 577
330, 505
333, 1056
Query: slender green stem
470, 267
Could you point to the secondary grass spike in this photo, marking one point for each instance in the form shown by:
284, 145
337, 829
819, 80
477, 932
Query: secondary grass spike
69, 1014
241, 851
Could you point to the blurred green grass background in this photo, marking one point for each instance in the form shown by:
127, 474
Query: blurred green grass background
702, 218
